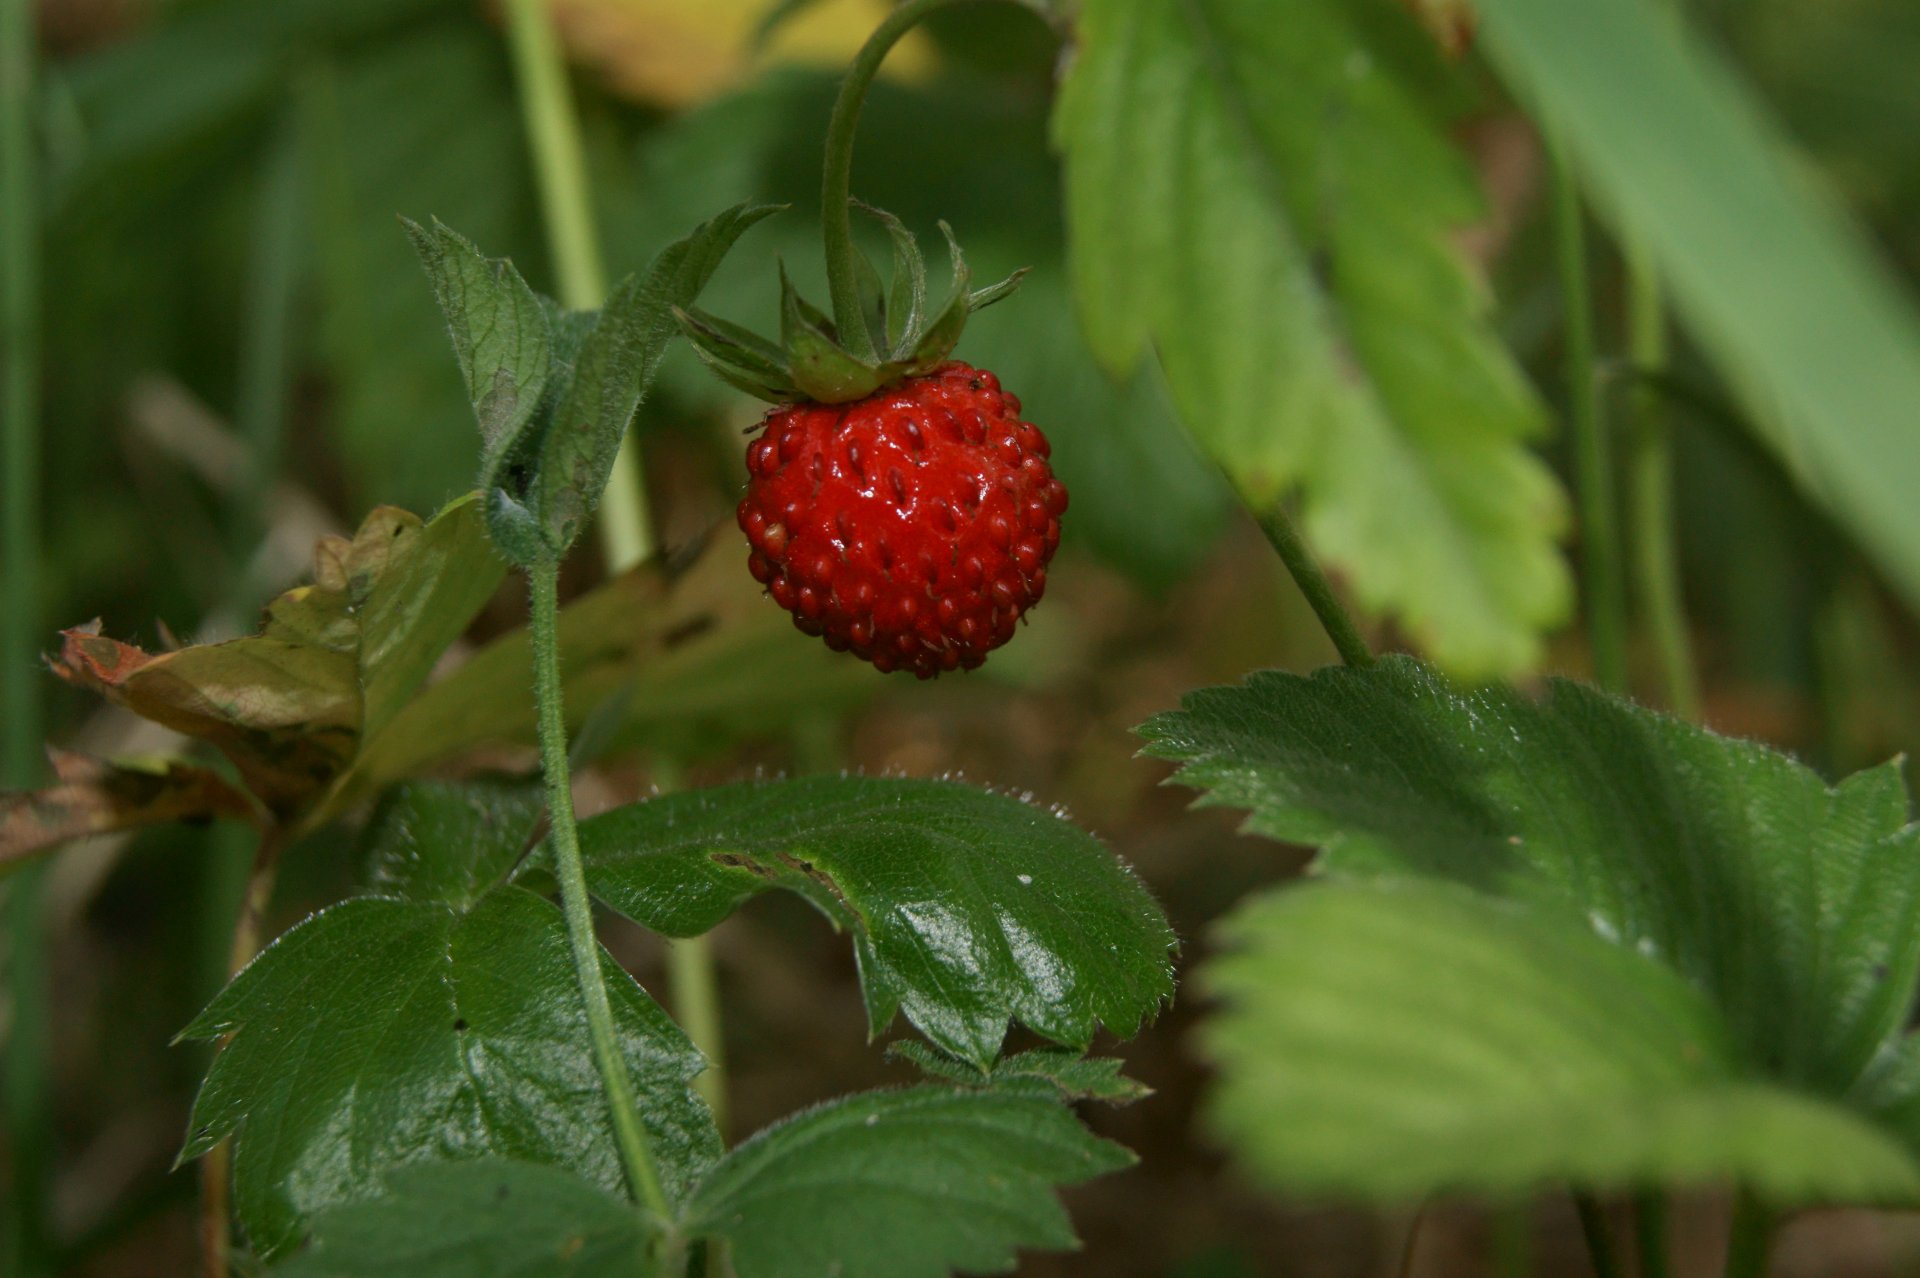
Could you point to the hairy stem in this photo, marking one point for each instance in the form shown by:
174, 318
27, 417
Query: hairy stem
1650, 490
635, 1154
25, 1244
566, 203
1593, 1227
1314, 585
1593, 462
836, 187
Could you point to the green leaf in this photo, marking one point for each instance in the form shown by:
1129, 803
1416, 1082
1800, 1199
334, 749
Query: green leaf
381, 1032
1394, 1041
1067, 1074
1282, 241
1776, 283
909, 1184
966, 908
503, 339
489, 1218
450, 841
1791, 907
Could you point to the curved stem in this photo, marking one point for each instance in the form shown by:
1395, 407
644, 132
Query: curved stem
1650, 472
566, 204
25, 1245
836, 187
1314, 585
1593, 463
636, 1156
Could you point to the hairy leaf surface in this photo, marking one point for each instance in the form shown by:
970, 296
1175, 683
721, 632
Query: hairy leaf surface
384, 1031
488, 1218
1396, 1040
966, 908
908, 1184
1790, 908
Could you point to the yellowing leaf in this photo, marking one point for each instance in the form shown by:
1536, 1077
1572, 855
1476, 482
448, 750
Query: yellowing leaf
335, 659
681, 52
93, 796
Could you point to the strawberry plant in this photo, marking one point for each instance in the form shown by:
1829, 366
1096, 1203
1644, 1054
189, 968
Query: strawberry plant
517, 821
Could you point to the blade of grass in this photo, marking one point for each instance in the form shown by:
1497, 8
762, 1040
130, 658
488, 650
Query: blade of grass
27, 1244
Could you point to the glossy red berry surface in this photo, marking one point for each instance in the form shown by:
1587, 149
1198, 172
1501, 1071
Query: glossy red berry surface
913, 527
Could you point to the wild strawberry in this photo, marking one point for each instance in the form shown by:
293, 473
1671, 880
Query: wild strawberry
912, 527
896, 504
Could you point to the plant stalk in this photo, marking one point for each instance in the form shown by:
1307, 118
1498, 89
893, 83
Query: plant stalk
25, 1236
631, 1136
836, 186
1650, 489
1593, 462
566, 203
694, 986
1750, 1238
1314, 585
1593, 1227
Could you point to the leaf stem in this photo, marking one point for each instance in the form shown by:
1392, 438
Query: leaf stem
1750, 1237
836, 186
25, 1244
635, 1154
560, 167
1593, 463
1650, 488
1314, 585
1593, 1227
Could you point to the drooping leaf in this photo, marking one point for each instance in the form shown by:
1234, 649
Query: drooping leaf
909, 1184
1393, 1041
967, 909
450, 841
487, 1218
1070, 1075
290, 705
92, 796
686, 658
1792, 908
1819, 340
383, 1031
1282, 241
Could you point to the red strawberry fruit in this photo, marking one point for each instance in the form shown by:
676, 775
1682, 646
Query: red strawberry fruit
913, 527
896, 504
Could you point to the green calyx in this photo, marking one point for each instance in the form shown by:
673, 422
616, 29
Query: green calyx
813, 360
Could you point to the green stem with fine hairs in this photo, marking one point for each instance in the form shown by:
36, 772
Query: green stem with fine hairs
1593, 461
560, 166
1313, 583
836, 187
25, 1242
636, 1154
